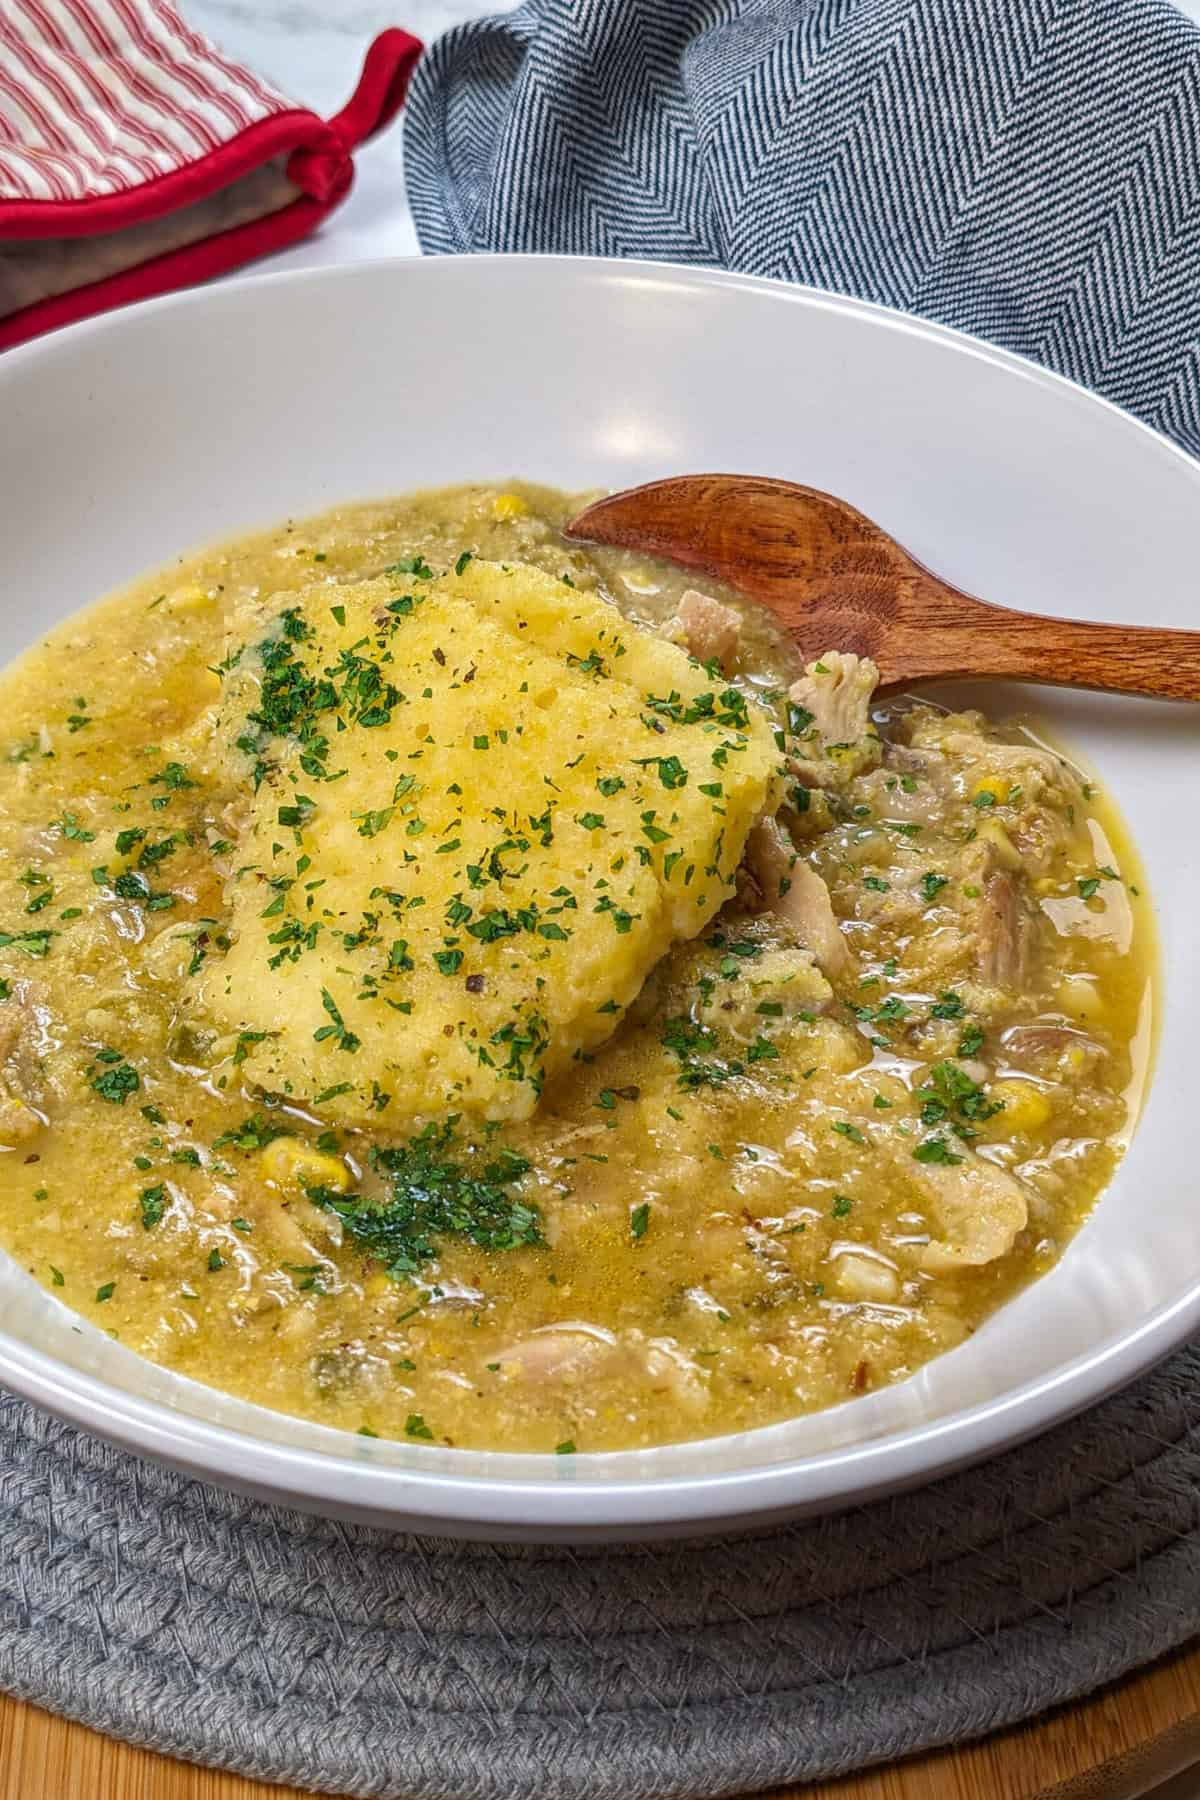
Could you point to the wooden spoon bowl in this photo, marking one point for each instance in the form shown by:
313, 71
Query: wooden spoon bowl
837, 581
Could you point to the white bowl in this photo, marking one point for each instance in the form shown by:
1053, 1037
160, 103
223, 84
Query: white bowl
125, 441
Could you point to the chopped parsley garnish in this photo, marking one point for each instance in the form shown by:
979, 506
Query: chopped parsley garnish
950, 1094
173, 777
438, 1188
246, 1041
33, 943
936, 1150
337, 1029
692, 1044
671, 771
639, 1219
116, 1082
153, 1203
254, 1133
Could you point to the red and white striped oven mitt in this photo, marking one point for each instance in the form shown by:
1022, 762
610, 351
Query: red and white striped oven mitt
135, 157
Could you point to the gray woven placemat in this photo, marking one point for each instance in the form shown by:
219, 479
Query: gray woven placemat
347, 1660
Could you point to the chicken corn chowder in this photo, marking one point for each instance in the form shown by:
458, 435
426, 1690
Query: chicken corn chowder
463, 987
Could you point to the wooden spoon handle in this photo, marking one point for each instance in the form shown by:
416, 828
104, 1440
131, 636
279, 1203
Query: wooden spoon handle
994, 642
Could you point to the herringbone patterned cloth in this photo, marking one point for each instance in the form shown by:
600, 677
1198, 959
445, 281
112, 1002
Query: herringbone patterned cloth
1027, 170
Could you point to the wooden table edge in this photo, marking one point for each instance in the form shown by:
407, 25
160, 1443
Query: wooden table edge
1117, 1744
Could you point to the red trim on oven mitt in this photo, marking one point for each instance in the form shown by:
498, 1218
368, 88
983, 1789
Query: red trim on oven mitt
314, 155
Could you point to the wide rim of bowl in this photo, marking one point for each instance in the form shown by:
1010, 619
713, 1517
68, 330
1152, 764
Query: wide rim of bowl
567, 1502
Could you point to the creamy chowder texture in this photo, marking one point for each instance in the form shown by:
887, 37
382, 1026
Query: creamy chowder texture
460, 986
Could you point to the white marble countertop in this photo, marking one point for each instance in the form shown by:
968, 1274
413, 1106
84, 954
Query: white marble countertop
313, 50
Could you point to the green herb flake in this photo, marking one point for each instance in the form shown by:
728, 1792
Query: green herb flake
437, 1188
936, 1150
117, 1082
153, 1204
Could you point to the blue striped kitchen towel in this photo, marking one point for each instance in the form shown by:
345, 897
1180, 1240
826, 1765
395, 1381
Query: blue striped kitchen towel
1027, 170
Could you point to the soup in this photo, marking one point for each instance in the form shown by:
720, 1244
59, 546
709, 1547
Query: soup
464, 987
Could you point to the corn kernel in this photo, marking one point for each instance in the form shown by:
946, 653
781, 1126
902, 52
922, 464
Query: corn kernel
190, 599
1079, 999
1026, 1108
509, 506
995, 785
288, 1163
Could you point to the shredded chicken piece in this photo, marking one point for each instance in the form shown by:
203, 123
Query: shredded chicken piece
706, 629
836, 690
793, 890
670, 1371
1025, 764
980, 1209
1046, 1047
19, 1119
573, 1352
813, 774
922, 802
558, 1353
1004, 931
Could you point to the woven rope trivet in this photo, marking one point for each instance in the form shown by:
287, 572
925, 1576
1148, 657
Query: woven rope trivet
339, 1658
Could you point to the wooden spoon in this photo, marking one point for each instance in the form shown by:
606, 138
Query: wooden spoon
839, 582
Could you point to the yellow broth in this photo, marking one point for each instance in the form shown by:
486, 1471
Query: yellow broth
766, 1193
